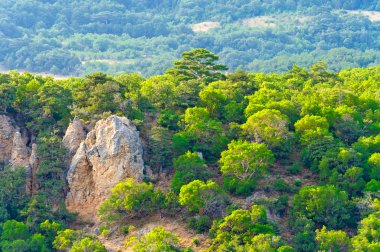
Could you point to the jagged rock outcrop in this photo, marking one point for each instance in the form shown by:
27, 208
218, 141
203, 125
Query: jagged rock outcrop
13, 144
110, 152
75, 134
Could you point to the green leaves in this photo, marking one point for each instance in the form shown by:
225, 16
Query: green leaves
332, 240
129, 199
325, 205
77, 241
157, 240
269, 126
13, 196
198, 64
246, 160
201, 197
188, 167
311, 127
244, 230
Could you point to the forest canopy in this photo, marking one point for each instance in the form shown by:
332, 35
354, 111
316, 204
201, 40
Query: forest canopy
79, 37
253, 161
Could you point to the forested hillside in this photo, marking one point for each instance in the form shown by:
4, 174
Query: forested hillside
234, 161
72, 37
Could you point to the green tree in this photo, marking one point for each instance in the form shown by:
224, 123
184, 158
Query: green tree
96, 96
50, 175
353, 181
14, 230
205, 134
38, 243
160, 150
235, 231
332, 240
325, 205
50, 230
264, 243
202, 197
13, 195
246, 160
87, 244
129, 199
7, 93
198, 64
159, 91
77, 241
269, 126
54, 102
213, 100
368, 237
157, 240
374, 164
311, 127
188, 167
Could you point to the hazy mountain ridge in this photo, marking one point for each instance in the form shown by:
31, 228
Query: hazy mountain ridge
76, 37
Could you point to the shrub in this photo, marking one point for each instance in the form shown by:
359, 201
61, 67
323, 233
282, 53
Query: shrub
281, 186
200, 224
325, 205
238, 228
238, 187
294, 168
297, 182
195, 241
188, 167
130, 199
372, 186
204, 198
280, 205
156, 240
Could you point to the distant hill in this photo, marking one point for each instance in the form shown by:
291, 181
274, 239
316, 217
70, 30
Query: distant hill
72, 37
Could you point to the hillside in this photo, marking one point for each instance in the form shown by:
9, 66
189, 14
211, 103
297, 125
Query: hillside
196, 159
69, 37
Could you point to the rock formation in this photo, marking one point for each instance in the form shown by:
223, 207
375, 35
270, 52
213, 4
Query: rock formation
13, 144
75, 134
109, 153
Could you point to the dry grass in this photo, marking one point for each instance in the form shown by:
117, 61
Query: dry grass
374, 16
205, 26
259, 22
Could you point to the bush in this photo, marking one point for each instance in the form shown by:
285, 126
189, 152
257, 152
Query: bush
200, 224
294, 168
204, 198
372, 186
130, 199
126, 229
325, 205
280, 205
195, 241
280, 185
158, 239
188, 167
238, 187
297, 182
238, 228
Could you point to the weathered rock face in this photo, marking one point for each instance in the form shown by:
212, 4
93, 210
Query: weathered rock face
13, 144
75, 134
110, 152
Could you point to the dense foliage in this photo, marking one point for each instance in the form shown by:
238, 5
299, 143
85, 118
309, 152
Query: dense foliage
254, 161
75, 37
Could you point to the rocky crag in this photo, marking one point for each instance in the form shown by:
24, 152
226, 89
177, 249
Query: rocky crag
13, 144
110, 152
98, 159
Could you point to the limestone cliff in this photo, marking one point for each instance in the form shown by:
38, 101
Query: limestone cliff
13, 144
109, 153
